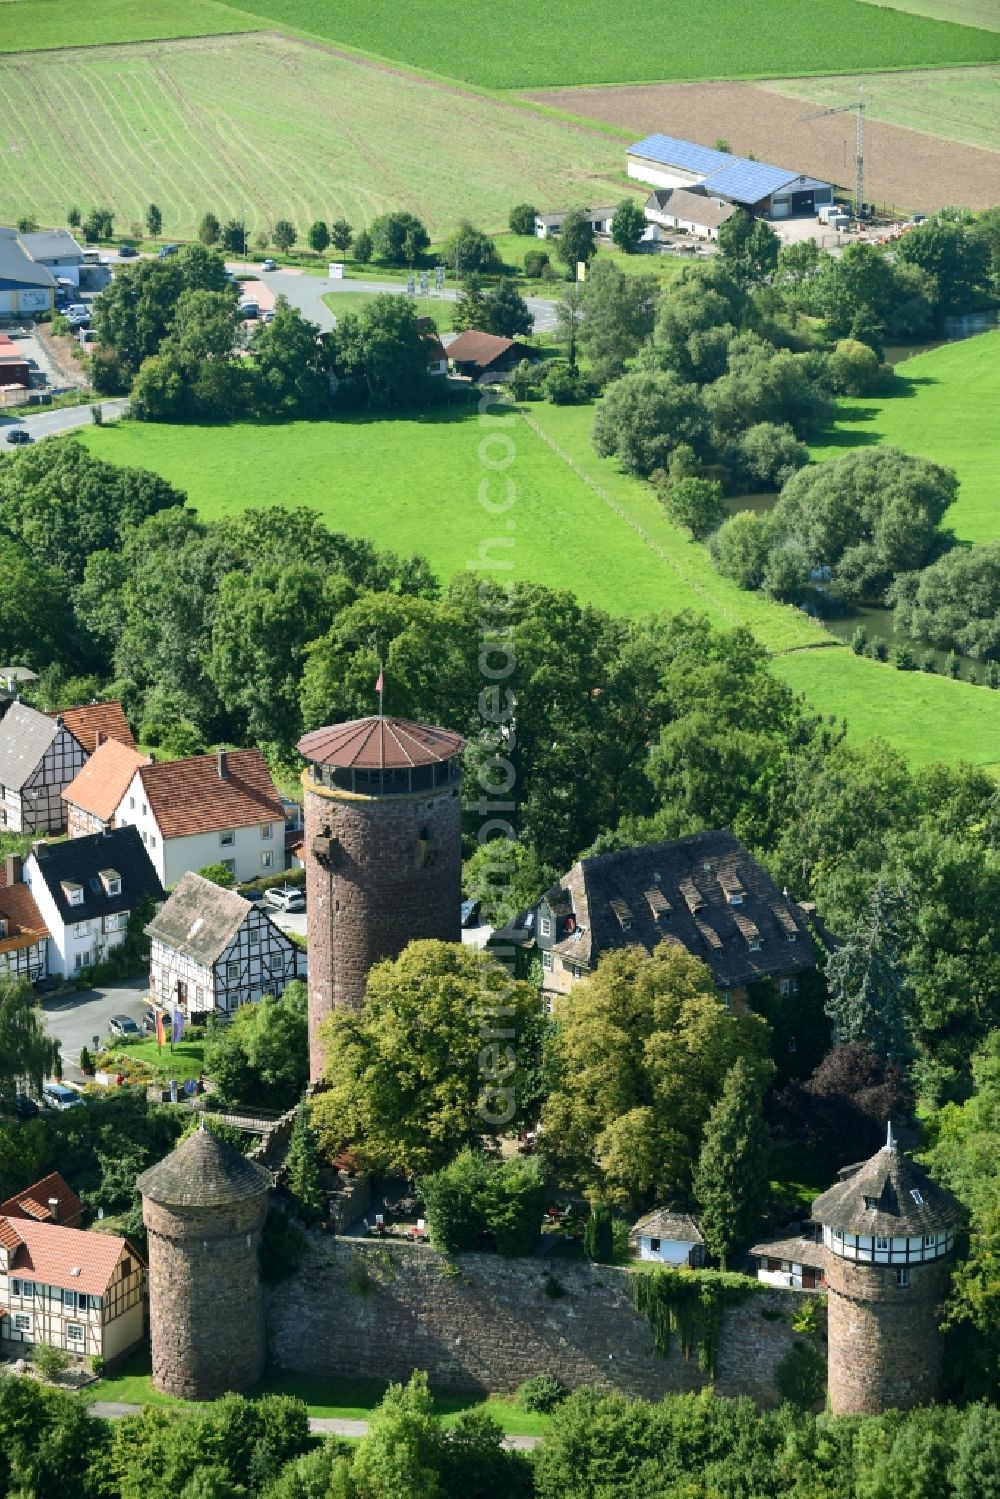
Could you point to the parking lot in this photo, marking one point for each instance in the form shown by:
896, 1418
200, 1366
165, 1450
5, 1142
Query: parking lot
74, 1019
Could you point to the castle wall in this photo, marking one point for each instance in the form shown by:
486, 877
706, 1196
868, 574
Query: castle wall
885, 1346
394, 875
481, 1323
205, 1297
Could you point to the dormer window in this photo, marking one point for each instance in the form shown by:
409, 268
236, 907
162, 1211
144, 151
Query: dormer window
73, 892
623, 911
916, 1195
112, 881
755, 944
871, 1203
545, 926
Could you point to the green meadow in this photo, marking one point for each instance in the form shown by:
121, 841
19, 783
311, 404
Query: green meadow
947, 408
30, 26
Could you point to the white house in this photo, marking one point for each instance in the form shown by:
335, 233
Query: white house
80, 1291
795, 1261
675, 208
95, 792
23, 935
211, 951
209, 809
85, 890
549, 225
39, 757
668, 1237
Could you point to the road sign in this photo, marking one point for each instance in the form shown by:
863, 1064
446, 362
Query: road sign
411, 286
425, 282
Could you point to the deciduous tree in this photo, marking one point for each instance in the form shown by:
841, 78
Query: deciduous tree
319, 236
628, 225
575, 243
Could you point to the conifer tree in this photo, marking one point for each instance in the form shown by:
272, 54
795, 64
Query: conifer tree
867, 981
302, 1165
731, 1178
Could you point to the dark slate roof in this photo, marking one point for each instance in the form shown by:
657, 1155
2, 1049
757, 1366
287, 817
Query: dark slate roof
200, 919
202, 1172
796, 1248
51, 244
79, 861
908, 1201
25, 735
677, 891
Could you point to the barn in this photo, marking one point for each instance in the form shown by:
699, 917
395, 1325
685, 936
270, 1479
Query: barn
771, 192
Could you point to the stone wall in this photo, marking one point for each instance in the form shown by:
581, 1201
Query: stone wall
361, 1308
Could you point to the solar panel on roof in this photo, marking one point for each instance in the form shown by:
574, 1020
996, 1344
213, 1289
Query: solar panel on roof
748, 181
688, 155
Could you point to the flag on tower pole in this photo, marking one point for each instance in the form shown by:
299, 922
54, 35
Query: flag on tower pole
380, 688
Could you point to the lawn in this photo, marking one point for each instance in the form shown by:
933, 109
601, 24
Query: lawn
957, 104
29, 25
947, 410
965, 12
342, 302
267, 127
184, 1060
523, 44
336, 1398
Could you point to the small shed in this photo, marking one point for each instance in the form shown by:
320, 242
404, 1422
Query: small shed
669, 1237
795, 1261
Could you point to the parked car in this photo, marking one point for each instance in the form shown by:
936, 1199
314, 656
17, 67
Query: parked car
124, 1026
166, 250
18, 436
127, 252
249, 310
285, 898
58, 1096
22, 1106
269, 264
267, 316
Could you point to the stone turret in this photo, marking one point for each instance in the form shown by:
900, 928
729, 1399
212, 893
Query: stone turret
889, 1232
383, 852
204, 1207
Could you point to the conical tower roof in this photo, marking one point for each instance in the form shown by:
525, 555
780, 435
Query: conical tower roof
203, 1172
888, 1195
378, 743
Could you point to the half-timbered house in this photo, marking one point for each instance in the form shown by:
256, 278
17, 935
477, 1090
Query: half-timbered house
85, 890
51, 1200
23, 934
39, 756
212, 951
95, 793
81, 1291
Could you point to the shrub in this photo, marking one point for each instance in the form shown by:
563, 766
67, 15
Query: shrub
86, 1060
472, 1195
928, 661
524, 382
561, 385
522, 218
801, 1376
536, 263
97, 1362
598, 1236
554, 1288
953, 666
859, 640
877, 649
992, 674
903, 658
50, 1361
541, 1393
451, 1197
622, 1249
219, 875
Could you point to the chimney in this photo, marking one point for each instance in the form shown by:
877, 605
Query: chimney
54, 1209
223, 766
14, 869
59, 721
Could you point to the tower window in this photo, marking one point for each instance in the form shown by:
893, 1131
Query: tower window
881, 1241
915, 1194
930, 1241
902, 1278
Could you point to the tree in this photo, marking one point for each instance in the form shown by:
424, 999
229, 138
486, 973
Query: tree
99, 224
288, 357
209, 230
505, 312
470, 309
469, 249
732, 1175
302, 1169
856, 368
262, 1055
36, 615
696, 504
748, 248
617, 318
319, 237
397, 238
219, 875
340, 235
639, 1057
234, 238
473, 1195
154, 221
505, 878
866, 978
285, 234
765, 384
27, 1052
575, 243
628, 225
521, 219
764, 456
73, 217
642, 417
419, 1072
954, 258
840, 1111
401, 1452
598, 1236
954, 604
976, 1471
569, 316
364, 247
383, 347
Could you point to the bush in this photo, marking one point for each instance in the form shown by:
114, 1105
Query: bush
219, 875
541, 1393
953, 666
859, 640
86, 1060
536, 263
524, 382
992, 674
928, 661
622, 1249
522, 218
903, 658
49, 1360
877, 649
561, 385
472, 1195
451, 1198
801, 1376
97, 1363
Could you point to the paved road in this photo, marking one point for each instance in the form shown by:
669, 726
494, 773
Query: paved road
74, 1019
113, 1410
307, 293
50, 423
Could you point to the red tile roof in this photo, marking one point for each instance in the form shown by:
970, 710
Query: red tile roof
33, 1202
25, 926
190, 796
68, 1257
99, 787
380, 744
9, 1236
91, 719
482, 349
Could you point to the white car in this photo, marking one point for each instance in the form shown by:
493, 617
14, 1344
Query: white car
58, 1096
285, 898
269, 264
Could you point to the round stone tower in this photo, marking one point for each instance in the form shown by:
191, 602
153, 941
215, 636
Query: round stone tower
204, 1207
383, 852
889, 1232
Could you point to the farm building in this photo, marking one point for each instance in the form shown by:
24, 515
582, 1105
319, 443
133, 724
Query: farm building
57, 250
677, 208
26, 286
475, 354
768, 191
549, 225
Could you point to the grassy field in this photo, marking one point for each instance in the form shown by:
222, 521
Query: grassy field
341, 302
182, 1061
965, 12
29, 25
926, 717
523, 44
271, 128
344, 1399
958, 104
947, 410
